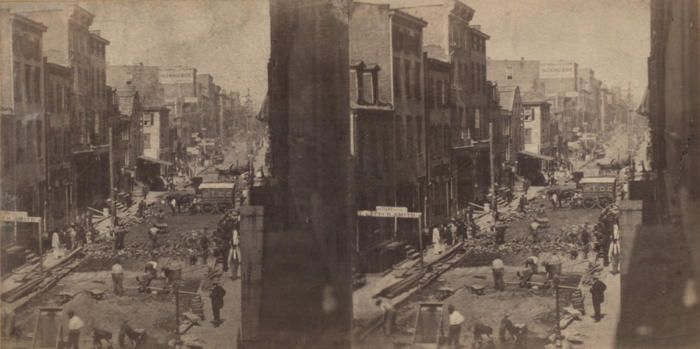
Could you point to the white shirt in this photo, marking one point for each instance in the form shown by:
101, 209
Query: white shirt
75, 323
117, 269
236, 239
456, 318
497, 264
616, 232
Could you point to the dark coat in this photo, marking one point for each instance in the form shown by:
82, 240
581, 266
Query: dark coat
598, 291
217, 296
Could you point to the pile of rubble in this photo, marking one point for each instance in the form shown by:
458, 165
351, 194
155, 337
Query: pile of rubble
184, 245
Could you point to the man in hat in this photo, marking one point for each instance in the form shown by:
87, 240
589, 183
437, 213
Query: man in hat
598, 296
217, 302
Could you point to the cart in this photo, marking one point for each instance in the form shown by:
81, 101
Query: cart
598, 191
216, 197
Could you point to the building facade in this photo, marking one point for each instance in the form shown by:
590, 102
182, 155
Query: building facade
58, 83
69, 41
393, 39
439, 139
22, 126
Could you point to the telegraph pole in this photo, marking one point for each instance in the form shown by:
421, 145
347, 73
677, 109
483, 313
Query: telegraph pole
492, 159
111, 180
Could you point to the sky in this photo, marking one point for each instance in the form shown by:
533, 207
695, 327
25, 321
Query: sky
610, 36
229, 39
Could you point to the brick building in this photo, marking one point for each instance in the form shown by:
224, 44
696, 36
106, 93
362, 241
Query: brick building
22, 170
69, 42
393, 39
58, 83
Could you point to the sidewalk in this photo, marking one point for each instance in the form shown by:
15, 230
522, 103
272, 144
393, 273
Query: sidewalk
602, 334
365, 312
224, 336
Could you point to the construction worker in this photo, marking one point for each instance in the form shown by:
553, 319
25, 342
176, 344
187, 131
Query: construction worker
506, 331
153, 236
532, 264
118, 278
534, 230
389, 319
497, 269
455, 321
482, 336
522, 203
75, 324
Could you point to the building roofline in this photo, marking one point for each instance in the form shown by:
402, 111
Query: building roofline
30, 22
479, 32
96, 35
409, 17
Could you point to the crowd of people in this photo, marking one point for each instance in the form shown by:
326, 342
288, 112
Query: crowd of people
75, 235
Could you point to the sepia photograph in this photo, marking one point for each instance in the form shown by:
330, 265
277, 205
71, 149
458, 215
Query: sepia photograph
349, 174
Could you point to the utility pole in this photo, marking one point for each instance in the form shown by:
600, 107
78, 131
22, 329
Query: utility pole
492, 159
111, 180
557, 341
44, 226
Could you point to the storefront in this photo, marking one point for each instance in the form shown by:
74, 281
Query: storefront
533, 166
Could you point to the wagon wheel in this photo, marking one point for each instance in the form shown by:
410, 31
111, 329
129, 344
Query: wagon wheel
225, 206
589, 203
208, 208
604, 202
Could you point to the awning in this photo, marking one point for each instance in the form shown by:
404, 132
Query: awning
157, 161
536, 156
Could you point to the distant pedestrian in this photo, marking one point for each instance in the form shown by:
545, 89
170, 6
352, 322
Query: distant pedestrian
614, 250
153, 236
389, 317
497, 268
585, 240
75, 324
234, 255
217, 302
534, 230
173, 205
452, 227
142, 208
598, 296
72, 237
522, 203
554, 200
204, 245
118, 278
119, 237
455, 320
500, 231
56, 247
437, 241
